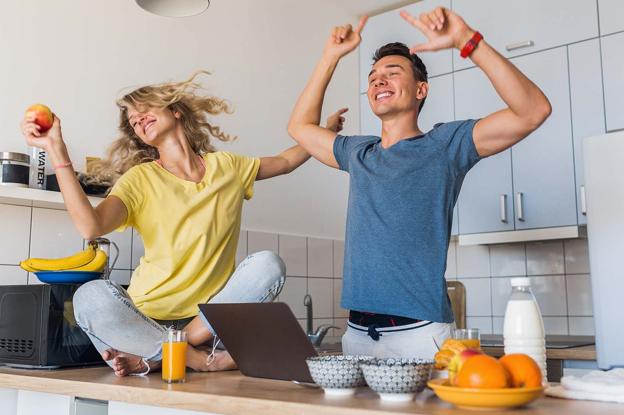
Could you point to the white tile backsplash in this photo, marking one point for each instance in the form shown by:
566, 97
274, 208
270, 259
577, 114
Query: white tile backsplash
473, 261
320, 258
581, 326
576, 256
13, 275
293, 250
53, 234
338, 258
478, 297
508, 260
261, 241
484, 324
15, 235
338, 310
322, 292
544, 258
579, 295
559, 270
555, 325
293, 293
550, 294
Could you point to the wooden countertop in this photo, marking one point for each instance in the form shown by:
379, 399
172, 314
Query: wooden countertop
232, 393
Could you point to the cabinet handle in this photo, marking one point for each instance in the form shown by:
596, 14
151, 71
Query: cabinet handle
503, 208
519, 45
583, 201
519, 198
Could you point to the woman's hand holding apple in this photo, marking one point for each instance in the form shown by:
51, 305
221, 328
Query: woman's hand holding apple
41, 133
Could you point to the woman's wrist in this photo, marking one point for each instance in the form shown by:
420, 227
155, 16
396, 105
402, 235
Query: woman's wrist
59, 155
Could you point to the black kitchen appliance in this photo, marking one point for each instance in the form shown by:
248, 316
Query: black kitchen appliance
38, 329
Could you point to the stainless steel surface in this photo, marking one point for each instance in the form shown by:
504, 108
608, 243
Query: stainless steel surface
552, 341
316, 337
17, 157
503, 208
525, 235
583, 201
306, 384
107, 243
519, 45
519, 198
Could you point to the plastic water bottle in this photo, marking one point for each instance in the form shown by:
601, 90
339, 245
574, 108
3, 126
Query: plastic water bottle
523, 330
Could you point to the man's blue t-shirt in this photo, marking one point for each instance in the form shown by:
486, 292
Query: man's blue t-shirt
399, 219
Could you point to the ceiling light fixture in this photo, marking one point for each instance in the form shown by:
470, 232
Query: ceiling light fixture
174, 8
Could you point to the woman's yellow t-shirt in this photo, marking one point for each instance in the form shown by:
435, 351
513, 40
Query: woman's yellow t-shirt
189, 230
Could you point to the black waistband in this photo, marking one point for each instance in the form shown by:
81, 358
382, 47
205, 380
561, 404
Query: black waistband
365, 319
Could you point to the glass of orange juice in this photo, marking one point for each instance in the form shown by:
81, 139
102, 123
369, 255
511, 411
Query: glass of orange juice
174, 356
469, 337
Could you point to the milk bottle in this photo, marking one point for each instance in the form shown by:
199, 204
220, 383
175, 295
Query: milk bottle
523, 330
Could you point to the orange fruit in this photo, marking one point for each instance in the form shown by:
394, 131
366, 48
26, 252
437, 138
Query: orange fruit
483, 372
524, 372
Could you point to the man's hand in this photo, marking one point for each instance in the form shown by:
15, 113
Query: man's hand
442, 28
335, 122
343, 40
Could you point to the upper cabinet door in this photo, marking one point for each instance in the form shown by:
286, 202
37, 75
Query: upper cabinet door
485, 201
587, 107
613, 73
519, 27
390, 27
543, 167
611, 14
438, 106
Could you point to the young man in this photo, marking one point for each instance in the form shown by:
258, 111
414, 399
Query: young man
405, 183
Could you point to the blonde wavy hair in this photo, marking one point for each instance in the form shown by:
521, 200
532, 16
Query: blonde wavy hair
129, 150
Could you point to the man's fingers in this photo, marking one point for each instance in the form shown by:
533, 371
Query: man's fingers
414, 21
421, 47
426, 19
342, 110
346, 31
361, 24
439, 12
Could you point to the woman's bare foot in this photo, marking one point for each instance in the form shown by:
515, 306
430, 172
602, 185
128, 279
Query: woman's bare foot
125, 364
199, 360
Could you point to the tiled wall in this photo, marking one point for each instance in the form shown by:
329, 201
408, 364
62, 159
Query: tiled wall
560, 280
559, 270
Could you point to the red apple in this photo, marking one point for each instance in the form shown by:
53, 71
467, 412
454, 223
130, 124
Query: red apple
457, 362
43, 116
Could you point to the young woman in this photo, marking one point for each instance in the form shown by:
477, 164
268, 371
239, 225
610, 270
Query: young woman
185, 199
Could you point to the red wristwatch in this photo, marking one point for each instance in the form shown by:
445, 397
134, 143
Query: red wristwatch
471, 45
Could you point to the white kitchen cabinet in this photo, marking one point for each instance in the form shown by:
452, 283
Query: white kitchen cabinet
485, 201
519, 27
542, 163
587, 107
613, 75
390, 27
611, 13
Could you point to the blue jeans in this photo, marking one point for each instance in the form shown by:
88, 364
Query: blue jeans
105, 311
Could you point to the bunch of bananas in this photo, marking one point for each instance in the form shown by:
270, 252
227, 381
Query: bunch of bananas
90, 259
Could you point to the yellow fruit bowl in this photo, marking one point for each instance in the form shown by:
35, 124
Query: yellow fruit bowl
484, 398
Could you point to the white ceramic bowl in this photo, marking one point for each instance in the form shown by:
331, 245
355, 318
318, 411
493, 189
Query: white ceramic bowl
397, 379
338, 375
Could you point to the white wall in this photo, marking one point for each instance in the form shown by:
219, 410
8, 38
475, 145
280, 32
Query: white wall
76, 56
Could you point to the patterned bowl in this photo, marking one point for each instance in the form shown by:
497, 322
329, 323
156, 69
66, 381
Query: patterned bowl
397, 379
337, 375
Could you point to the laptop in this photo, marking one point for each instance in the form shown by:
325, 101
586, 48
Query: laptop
264, 339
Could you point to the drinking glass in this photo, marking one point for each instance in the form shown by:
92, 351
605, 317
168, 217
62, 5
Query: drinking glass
174, 356
469, 337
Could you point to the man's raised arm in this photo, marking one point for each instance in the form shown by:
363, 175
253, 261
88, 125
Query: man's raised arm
304, 120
